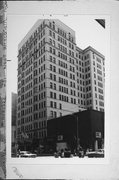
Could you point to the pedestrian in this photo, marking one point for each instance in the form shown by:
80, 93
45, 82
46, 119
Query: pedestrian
19, 153
62, 153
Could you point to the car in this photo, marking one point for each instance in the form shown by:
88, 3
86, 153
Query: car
67, 153
95, 154
27, 154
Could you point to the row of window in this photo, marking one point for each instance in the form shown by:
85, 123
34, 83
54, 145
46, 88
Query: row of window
99, 78
42, 77
61, 32
42, 86
89, 102
99, 72
63, 89
87, 69
53, 114
26, 111
71, 60
101, 103
87, 75
28, 71
27, 95
52, 34
63, 72
32, 135
42, 59
62, 48
52, 59
63, 81
35, 64
79, 69
41, 106
29, 62
62, 64
30, 127
35, 40
35, 89
63, 98
82, 76
81, 103
62, 40
62, 56
42, 68
41, 115
53, 95
41, 43
53, 77
41, 51
100, 84
72, 69
53, 86
52, 50
73, 92
71, 53
42, 95
80, 56
53, 104
52, 42
72, 84
52, 68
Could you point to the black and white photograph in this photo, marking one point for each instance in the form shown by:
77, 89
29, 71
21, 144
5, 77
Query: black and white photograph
58, 90
58, 107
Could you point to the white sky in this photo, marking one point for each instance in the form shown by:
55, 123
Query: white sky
88, 32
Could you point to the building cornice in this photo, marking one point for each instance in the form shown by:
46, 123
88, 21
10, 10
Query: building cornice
89, 48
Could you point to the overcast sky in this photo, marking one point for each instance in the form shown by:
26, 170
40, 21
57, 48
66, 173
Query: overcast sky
88, 32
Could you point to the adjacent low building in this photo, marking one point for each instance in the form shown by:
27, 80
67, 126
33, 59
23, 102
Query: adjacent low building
85, 129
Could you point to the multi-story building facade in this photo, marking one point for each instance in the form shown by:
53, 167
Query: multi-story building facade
47, 84
90, 78
14, 117
53, 77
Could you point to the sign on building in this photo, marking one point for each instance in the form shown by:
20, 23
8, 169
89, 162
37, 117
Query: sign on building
60, 137
98, 134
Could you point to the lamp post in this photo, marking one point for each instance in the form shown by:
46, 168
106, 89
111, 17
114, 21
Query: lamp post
77, 132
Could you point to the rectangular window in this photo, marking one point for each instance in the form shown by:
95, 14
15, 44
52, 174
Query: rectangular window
51, 94
60, 106
55, 114
51, 104
54, 95
53, 35
51, 113
54, 86
55, 105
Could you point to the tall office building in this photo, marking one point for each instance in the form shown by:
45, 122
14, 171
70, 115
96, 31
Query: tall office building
90, 78
47, 84
53, 77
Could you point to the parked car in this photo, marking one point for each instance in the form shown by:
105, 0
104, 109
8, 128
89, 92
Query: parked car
63, 154
95, 154
67, 153
27, 154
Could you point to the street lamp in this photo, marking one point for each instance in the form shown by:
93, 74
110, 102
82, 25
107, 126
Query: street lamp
77, 131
